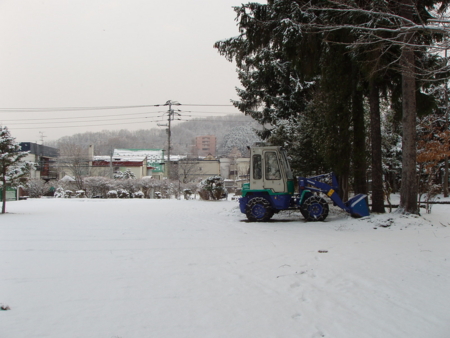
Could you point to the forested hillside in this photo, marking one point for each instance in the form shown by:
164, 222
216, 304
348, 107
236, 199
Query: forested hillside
230, 131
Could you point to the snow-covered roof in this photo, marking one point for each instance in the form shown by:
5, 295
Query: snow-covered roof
68, 178
153, 155
174, 158
119, 158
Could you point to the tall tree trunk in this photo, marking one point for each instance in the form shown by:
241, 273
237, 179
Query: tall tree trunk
409, 187
359, 139
375, 136
4, 195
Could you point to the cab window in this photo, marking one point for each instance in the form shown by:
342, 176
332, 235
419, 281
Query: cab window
257, 167
272, 168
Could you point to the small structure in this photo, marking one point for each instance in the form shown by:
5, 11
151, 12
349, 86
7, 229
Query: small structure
142, 162
45, 158
102, 164
197, 169
154, 159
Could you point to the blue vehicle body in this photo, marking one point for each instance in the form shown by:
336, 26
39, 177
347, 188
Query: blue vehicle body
356, 206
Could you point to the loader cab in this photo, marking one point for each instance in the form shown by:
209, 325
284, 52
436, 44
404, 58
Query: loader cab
270, 171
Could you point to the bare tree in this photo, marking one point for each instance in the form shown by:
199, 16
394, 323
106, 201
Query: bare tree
37, 188
74, 159
187, 169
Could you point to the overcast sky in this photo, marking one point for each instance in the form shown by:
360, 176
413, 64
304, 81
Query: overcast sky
95, 53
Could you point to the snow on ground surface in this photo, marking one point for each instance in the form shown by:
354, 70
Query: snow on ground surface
175, 268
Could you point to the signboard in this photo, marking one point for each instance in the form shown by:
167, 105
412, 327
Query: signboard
11, 194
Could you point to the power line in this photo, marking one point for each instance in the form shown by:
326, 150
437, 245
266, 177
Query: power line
30, 110
208, 105
111, 115
81, 117
130, 118
48, 109
94, 125
113, 124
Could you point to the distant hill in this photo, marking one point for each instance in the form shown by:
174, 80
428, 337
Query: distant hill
230, 131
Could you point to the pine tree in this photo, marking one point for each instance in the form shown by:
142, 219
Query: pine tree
13, 170
320, 39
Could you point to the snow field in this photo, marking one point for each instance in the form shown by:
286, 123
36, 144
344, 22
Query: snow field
169, 268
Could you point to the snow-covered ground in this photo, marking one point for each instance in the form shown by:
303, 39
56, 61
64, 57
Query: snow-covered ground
168, 268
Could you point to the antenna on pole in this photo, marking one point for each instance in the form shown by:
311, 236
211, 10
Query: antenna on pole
42, 137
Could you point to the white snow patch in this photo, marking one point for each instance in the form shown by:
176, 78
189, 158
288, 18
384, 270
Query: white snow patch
169, 268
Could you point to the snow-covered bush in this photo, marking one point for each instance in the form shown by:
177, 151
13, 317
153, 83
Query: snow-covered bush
187, 193
166, 188
60, 192
212, 188
111, 194
138, 194
146, 184
122, 193
124, 175
68, 194
98, 186
157, 195
37, 188
129, 185
80, 194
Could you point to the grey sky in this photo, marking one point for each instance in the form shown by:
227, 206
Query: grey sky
91, 53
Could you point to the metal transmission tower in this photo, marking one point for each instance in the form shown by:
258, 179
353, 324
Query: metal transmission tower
171, 113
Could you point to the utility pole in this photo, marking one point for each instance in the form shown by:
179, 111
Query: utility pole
111, 174
170, 118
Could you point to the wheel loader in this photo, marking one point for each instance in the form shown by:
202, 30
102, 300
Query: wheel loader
272, 189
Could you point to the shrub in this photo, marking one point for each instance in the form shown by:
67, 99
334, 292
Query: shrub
37, 188
138, 194
212, 188
60, 193
68, 194
98, 186
187, 193
111, 194
122, 193
80, 194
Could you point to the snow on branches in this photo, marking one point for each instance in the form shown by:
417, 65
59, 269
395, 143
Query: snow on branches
13, 170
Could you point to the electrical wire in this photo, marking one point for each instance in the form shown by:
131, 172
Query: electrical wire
130, 118
81, 117
125, 123
83, 126
48, 109
51, 120
208, 105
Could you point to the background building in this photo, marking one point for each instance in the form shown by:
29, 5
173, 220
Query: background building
142, 162
205, 145
45, 159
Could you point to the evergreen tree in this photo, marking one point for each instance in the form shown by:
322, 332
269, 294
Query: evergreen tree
13, 170
319, 40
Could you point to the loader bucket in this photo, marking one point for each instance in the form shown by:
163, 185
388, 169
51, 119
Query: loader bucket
358, 206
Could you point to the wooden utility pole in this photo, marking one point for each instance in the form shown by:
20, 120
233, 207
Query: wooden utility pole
170, 118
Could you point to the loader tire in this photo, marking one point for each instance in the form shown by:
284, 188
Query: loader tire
258, 209
314, 209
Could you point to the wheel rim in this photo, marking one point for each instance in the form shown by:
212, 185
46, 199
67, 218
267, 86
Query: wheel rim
259, 211
315, 210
